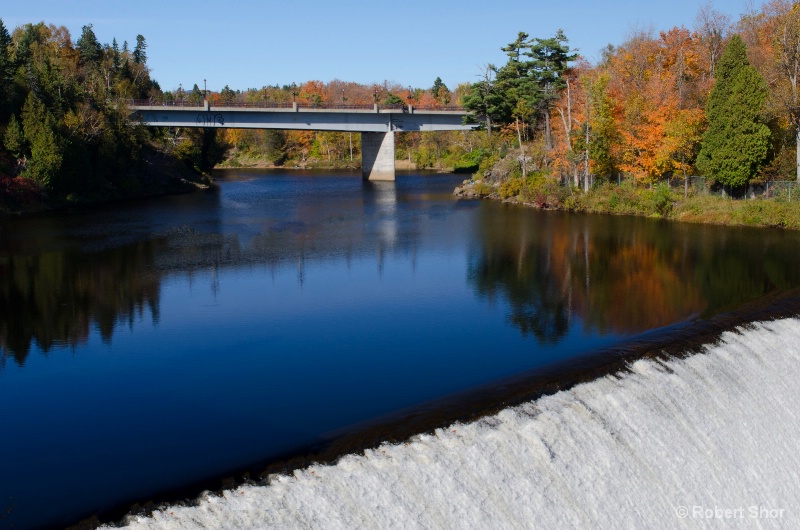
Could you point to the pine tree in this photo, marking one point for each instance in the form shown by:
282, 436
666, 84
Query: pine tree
139, 54
88, 46
46, 152
484, 98
736, 141
14, 139
549, 60
115, 53
5, 69
440, 92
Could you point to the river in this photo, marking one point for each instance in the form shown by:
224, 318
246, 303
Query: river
150, 349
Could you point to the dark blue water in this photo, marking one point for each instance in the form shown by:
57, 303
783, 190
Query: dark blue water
152, 345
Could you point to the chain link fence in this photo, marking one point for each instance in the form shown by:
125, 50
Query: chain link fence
691, 185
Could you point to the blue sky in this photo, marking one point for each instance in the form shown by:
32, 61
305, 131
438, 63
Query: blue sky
254, 43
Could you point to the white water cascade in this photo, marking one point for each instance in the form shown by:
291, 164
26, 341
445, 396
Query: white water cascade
708, 441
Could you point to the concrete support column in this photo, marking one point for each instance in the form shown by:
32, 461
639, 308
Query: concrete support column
377, 156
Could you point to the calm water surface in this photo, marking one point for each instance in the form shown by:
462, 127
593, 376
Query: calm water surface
148, 346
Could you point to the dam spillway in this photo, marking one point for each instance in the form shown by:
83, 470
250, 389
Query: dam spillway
689, 442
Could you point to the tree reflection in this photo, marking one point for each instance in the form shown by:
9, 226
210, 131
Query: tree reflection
621, 274
54, 298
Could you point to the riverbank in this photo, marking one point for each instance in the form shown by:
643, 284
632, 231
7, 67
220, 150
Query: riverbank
629, 199
648, 438
241, 159
158, 174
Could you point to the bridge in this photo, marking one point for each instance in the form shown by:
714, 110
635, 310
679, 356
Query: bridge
377, 124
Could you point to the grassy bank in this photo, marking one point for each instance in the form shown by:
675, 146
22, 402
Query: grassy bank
630, 199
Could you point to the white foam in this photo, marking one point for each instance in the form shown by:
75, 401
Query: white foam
718, 430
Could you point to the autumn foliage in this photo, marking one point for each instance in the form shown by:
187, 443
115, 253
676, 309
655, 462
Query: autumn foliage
642, 110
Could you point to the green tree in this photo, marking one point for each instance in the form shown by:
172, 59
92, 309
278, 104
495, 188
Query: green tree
115, 54
603, 131
39, 129
392, 99
139, 53
5, 69
736, 142
549, 61
483, 98
14, 139
227, 95
440, 92
514, 83
196, 95
89, 48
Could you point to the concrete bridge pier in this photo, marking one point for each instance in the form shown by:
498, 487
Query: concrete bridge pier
377, 155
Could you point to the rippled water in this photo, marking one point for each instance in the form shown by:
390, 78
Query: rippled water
157, 346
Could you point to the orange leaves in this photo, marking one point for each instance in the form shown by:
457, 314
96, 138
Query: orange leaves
661, 85
425, 100
298, 143
313, 92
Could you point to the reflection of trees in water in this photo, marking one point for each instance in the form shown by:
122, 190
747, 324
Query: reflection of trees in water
622, 274
537, 304
53, 298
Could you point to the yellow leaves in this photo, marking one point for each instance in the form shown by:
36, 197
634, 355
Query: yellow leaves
85, 122
234, 136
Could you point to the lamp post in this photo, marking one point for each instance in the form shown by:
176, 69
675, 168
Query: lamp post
205, 91
294, 93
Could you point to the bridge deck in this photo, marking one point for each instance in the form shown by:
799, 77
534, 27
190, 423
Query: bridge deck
350, 118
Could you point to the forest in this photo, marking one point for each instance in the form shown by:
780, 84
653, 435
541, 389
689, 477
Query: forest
65, 127
718, 100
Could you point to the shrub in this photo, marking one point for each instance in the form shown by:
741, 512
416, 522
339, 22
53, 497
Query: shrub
483, 189
511, 188
662, 200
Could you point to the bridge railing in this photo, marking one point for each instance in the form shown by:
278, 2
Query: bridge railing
185, 103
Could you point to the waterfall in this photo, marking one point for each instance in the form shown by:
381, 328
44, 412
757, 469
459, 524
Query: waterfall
704, 441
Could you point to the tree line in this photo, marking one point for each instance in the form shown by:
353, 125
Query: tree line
64, 123
330, 148
720, 99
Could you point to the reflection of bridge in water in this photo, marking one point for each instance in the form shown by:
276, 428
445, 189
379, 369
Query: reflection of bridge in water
377, 124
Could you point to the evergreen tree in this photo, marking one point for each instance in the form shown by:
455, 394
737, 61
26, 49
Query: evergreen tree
88, 46
227, 95
196, 95
46, 152
139, 53
115, 53
514, 84
14, 139
437, 84
440, 92
5, 66
737, 141
549, 61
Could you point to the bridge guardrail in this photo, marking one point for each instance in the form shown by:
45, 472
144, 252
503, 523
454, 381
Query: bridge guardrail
280, 105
